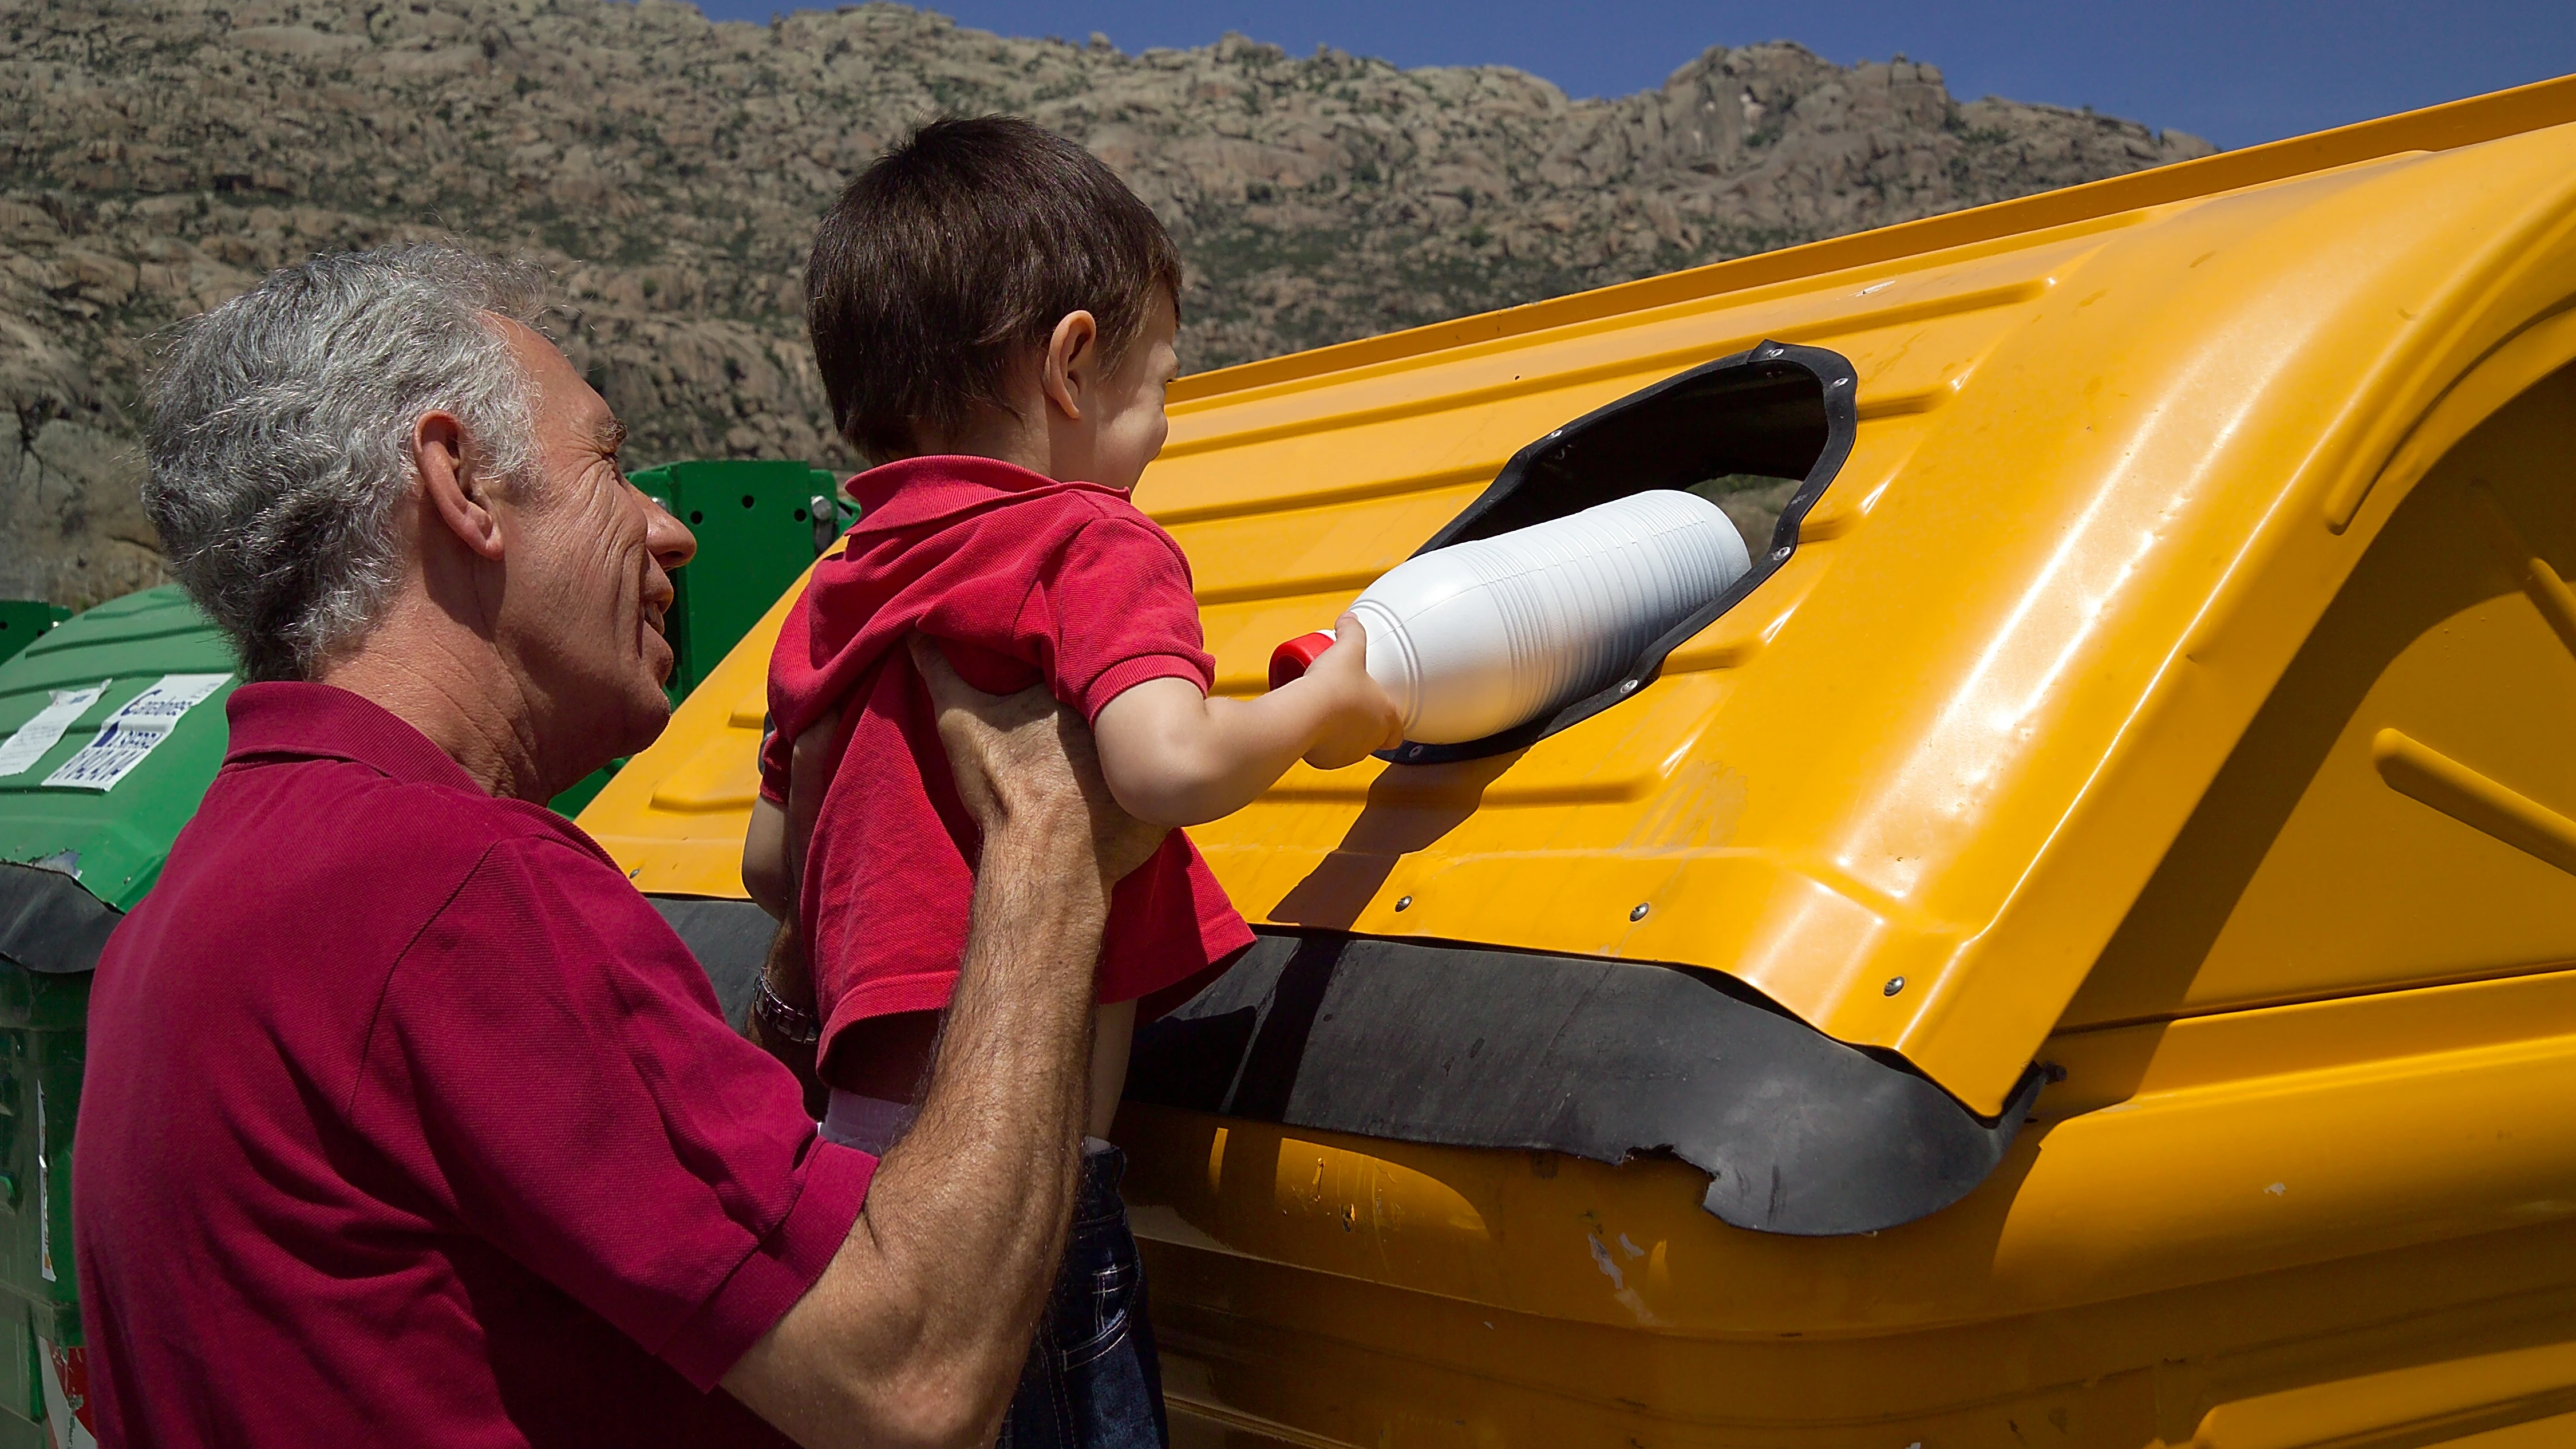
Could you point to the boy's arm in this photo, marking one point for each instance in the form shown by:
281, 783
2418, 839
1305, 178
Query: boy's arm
764, 858
1172, 756
773, 859
784, 974
773, 846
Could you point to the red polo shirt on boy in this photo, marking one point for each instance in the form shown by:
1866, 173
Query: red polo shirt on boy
1022, 579
408, 1122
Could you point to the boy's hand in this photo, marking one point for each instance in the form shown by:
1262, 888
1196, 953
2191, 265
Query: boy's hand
1361, 719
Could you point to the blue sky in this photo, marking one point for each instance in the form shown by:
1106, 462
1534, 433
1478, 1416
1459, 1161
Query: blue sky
2237, 73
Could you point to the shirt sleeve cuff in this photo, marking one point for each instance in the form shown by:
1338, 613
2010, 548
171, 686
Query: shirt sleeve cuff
1126, 674
766, 1284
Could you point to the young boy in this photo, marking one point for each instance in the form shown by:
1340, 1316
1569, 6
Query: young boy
993, 313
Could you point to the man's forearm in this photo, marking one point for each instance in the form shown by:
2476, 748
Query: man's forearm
918, 1331
985, 1180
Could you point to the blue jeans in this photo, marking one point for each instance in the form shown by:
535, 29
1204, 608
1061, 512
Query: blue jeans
1092, 1381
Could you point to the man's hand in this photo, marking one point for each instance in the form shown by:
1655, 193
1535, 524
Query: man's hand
1023, 757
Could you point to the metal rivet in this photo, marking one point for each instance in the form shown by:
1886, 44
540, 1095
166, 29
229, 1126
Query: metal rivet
1403, 902
1894, 985
1639, 913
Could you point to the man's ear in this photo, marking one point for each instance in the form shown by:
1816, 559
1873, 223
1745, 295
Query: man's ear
454, 487
1071, 365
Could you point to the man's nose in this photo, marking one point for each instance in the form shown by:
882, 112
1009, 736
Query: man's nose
669, 539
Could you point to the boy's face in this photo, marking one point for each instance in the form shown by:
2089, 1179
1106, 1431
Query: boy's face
1126, 426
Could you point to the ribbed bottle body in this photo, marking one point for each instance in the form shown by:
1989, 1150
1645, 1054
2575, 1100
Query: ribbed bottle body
1479, 637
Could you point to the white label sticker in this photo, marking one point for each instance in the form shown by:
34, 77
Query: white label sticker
38, 735
136, 729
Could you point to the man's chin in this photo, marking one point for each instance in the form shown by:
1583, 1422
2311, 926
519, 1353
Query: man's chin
650, 715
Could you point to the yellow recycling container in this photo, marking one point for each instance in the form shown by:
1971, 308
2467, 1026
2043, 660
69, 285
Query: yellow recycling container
2078, 949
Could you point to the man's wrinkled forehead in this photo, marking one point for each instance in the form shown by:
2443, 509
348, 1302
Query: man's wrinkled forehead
565, 404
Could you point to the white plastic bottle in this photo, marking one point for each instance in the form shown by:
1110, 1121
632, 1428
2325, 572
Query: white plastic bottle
1476, 638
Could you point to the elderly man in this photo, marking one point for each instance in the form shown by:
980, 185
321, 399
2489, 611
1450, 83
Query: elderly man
407, 1119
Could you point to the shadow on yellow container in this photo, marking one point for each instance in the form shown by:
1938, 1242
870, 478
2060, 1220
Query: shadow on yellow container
2080, 949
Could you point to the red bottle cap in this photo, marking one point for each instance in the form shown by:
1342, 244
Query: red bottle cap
1292, 659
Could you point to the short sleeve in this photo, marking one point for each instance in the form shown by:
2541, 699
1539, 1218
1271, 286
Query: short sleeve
580, 1103
1117, 606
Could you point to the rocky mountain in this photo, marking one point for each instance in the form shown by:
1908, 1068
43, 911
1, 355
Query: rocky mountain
156, 155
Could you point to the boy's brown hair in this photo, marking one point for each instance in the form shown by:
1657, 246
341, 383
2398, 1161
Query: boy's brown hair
954, 252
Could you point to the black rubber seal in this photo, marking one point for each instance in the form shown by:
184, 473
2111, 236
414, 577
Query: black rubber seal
1468, 1046
49, 922
1792, 411
731, 941
1473, 1047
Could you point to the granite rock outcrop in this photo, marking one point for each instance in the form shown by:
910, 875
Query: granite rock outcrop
157, 155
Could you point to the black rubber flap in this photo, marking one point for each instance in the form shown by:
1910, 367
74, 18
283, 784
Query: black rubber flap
49, 922
1460, 1046
729, 938
1778, 409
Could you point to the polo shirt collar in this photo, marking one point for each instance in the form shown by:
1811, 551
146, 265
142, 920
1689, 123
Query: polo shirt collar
921, 490
319, 721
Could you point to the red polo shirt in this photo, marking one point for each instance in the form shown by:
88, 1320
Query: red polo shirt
1024, 580
407, 1121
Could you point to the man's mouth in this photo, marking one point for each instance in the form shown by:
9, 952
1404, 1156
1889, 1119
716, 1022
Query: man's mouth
658, 622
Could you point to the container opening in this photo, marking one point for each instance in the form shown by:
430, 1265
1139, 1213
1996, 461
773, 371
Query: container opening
1760, 434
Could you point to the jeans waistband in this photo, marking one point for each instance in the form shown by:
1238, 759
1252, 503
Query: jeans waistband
870, 1124
873, 1124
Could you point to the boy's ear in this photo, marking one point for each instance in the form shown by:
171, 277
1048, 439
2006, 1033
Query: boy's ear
1072, 364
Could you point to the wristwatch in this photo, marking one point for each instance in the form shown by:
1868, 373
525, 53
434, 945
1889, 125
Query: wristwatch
790, 1023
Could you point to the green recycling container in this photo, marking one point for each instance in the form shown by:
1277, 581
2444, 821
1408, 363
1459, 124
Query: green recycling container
24, 621
757, 534
111, 727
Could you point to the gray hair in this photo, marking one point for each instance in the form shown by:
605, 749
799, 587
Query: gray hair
280, 440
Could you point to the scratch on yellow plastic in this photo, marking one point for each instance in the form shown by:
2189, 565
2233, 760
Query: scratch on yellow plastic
2188, 514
